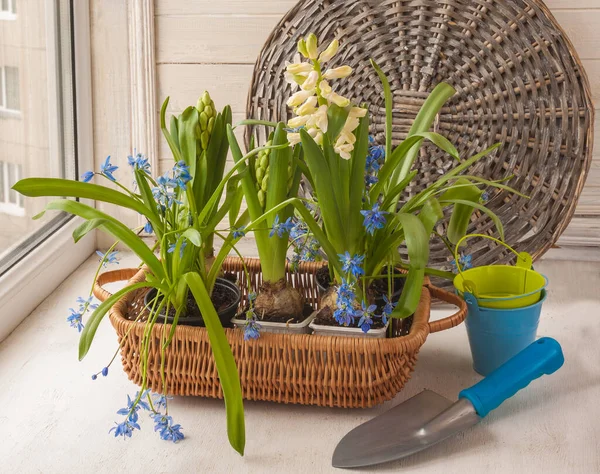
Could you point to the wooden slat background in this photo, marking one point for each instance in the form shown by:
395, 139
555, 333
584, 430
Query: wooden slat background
213, 44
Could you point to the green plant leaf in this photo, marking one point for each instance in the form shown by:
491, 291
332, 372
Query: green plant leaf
461, 213
324, 188
193, 236
417, 244
482, 208
89, 331
87, 226
187, 124
114, 227
430, 214
58, 187
224, 361
173, 144
357, 180
422, 123
256, 122
336, 119
387, 94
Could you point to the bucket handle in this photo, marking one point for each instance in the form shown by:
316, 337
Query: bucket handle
524, 260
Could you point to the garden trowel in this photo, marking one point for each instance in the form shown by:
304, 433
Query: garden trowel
428, 418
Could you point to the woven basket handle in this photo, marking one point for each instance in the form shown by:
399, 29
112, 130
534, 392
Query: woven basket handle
450, 321
123, 274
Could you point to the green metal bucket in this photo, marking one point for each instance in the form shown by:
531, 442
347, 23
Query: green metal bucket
501, 286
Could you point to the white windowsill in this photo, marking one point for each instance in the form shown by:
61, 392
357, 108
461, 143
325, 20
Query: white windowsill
56, 419
8, 16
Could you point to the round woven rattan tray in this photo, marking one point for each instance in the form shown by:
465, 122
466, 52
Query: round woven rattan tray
518, 80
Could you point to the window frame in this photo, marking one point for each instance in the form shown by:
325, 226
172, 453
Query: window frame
37, 274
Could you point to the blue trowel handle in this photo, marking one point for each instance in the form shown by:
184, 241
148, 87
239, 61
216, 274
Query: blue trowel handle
544, 356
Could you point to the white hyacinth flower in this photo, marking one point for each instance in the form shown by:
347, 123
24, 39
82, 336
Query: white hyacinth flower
300, 97
299, 121
338, 100
325, 88
293, 138
345, 151
319, 119
299, 68
309, 107
338, 73
295, 80
317, 135
345, 137
358, 112
351, 124
330, 52
310, 82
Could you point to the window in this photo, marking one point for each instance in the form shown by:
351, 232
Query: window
9, 89
44, 61
11, 202
8, 9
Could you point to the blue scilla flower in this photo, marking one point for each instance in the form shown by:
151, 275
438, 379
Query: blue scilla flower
87, 176
351, 264
374, 219
181, 174
104, 371
125, 429
344, 315
110, 257
239, 232
75, 320
107, 169
132, 407
172, 248
163, 193
281, 229
148, 228
388, 309
252, 328
346, 292
485, 197
298, 230
294, 261
160, 401
139, 162
167, 430
465, 261
251, 296
86, 303
370, 180
366, 315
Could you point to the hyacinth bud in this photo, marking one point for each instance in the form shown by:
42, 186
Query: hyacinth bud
302, 48
338, 73
311, 46
330, 52
206, 119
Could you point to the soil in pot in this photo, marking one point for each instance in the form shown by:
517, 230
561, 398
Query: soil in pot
225, 298
325, 318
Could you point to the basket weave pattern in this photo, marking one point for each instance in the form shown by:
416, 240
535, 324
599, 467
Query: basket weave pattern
518, 78
304, 369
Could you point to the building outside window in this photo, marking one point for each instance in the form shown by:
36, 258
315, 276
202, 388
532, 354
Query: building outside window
9, 89
8, 9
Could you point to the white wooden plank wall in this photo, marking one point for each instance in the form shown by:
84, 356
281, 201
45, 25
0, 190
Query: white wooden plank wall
212, 44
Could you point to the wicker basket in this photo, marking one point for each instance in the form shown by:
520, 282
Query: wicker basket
519, 81
305, 369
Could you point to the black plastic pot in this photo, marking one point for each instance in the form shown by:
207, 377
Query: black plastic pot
225, 315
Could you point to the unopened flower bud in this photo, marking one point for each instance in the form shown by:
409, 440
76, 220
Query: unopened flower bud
338, 73
302, 48
311, 46
330, 52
